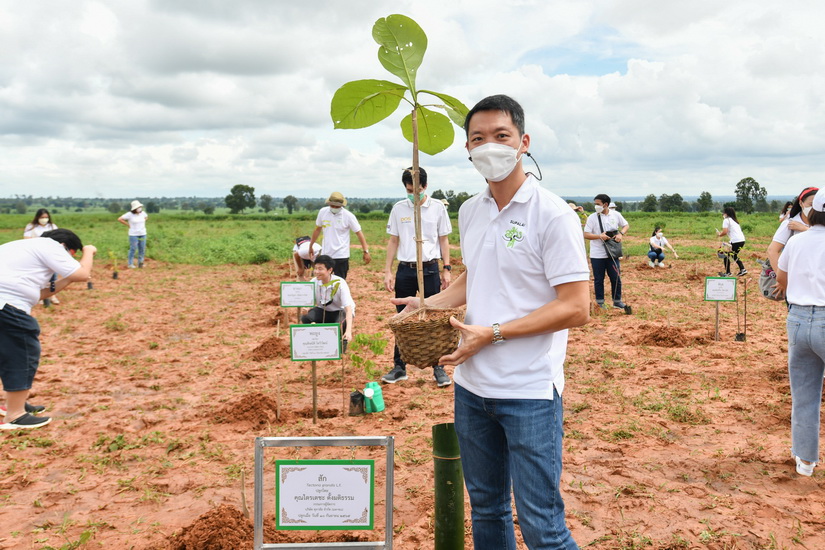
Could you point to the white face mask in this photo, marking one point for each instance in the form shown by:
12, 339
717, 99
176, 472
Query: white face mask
43, 221
494, 161
660, 235
807, 211
334, 209
599, 208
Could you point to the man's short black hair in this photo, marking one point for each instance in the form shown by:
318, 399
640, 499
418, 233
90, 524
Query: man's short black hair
602, 197
65, 237
500, 102
325, 261
407, 177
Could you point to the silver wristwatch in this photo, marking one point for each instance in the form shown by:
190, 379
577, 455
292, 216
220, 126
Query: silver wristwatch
497, 337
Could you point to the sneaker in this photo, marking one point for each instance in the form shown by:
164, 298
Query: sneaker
26, 422
804, 469
397, 374
131, 266
441, 377
55, 300
651, 264
31, 409
741, 272
661, 264
619, 305
723, 274
140, 265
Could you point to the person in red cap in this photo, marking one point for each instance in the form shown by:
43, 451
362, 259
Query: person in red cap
336, 222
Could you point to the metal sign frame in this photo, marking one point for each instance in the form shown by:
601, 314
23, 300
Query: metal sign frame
262, 443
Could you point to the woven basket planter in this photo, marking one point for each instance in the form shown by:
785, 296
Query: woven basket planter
423, 336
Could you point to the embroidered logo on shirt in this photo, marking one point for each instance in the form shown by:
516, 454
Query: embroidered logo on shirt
512, 236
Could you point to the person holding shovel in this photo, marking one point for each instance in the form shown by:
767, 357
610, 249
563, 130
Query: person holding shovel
525, 284
26, 267
435, 229
336, 222
603, 225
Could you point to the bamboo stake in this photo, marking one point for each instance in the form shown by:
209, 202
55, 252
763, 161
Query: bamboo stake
417, 212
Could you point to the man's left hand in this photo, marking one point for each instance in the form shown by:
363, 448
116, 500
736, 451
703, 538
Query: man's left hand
473, 338
367, 257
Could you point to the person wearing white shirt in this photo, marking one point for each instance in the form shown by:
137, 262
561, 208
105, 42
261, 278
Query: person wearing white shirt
26, 267
435, 230
332, 296
302, 257
801, 274
41, 223
525, 285
135, 220
731, 228
336, 222
603, 225
796, 221
656, 254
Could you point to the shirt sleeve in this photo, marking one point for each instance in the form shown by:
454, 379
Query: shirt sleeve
29, 231
565, 260
319, 219
445, 226
591, 226
392, 223
354, 226
783, 233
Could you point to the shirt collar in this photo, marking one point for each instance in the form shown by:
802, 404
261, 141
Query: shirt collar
424, 204
524, 193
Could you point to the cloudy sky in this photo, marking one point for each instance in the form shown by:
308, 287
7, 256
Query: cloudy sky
188, 97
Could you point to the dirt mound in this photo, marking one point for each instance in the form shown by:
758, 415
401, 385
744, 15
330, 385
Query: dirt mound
322, 412
273, 347
666, 337
257, 408
224, 528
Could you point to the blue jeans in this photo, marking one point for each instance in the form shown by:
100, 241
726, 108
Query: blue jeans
137, 243
806, 365
653, 255
611, 267
514, 443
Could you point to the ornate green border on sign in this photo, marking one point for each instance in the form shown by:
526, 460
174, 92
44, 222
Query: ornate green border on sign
310, 326
364, 469
733, 279
304, 283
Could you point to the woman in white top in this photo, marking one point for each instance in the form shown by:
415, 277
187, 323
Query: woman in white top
656, 254
731, 228
801, 274
783, 214
41, 223
135, 220
795, 222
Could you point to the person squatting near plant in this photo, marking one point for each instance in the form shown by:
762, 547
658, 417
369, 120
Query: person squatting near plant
41, 223
336, 222
801, 274
795, 222
334, 297
656, 254
135, 220
301, 256
601, 226
525, 284
731, 228
435, 229
26, 267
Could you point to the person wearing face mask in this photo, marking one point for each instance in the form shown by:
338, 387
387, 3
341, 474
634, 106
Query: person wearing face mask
796, 222
336, 222
600, 226
658, 242
800, 273
41, 223
135, 220
525, 284
435, 230
731, 227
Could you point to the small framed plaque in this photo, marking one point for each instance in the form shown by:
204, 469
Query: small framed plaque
720, 289
297, 294
318, 342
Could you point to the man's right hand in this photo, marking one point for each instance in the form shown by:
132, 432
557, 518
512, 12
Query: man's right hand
389, 281
90, 249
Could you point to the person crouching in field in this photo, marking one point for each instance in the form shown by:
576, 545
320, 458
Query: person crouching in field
333, 296
656, 254
801, 275
302, 257
25, 269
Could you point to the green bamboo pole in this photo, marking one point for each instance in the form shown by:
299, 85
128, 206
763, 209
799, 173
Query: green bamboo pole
449, 489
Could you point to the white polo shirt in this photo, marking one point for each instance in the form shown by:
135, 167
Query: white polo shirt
783, 232
336, 228
333, 296
804, 260
611, 222
734, 230
26, 267
659, 243
514, 260
303, 249
435, 223
37, 230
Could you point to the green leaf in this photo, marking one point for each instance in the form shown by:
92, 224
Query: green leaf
435, 132
456, 110
362, 103
402, 46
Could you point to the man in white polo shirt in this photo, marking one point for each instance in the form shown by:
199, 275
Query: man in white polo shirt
336, 222
525, 284
435, 229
